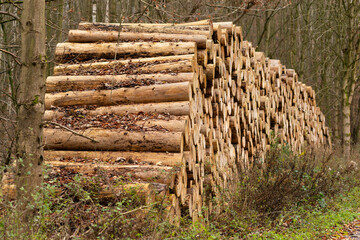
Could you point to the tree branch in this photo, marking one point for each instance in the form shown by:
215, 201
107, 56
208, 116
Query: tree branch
11, 54
10, 14
72, 131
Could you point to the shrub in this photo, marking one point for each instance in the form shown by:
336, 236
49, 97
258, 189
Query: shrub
286, 180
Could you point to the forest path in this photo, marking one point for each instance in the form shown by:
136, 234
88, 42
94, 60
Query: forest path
350, 231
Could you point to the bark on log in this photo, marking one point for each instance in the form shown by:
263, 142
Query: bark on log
191, 27
171, 125
157, 158
205, 22
149, 173
146, 94
114, 140
190, 30
78, 83
179, 63
172, 108
84, 51
86, 36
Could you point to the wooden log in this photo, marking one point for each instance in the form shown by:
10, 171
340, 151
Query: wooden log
157, 158
191, 27
145, 94
83, 51
190, 30
236, 96
196, 23
113, 140
173, 64
174, 124
149, 173
84, 82
172, 108
223, 25
86, 36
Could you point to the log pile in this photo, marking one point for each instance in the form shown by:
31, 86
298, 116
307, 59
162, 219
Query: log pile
187, 107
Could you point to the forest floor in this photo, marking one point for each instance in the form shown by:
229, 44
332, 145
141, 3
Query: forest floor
349, 231
323, 204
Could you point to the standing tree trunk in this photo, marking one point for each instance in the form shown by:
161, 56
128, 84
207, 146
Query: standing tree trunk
100, 10
351, 65
347, 98
356, 117
86, 10
113, 11
30, 105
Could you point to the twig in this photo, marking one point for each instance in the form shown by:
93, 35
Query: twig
11, 54
10, 14
125, 213
72, 131
7, 120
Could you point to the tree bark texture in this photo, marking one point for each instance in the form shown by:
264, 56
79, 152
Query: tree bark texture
31, 101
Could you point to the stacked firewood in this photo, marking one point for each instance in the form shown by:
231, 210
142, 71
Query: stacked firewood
182, 109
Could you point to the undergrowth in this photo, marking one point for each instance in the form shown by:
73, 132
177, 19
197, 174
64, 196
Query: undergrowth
294, 196
290, 188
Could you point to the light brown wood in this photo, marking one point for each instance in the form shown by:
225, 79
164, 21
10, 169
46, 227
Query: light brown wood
84, 51
149, 173
157, 158
86, 36
172, 108
178, 63
145, 94
84, 82
113, 140
148, 124
236, 102
205, 30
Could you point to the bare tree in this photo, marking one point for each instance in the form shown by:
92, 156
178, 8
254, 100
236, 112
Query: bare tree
347, 31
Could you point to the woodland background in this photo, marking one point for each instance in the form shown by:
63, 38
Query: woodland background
320, 39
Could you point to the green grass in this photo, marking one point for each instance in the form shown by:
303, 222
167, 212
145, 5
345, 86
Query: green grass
319, 222
302, 222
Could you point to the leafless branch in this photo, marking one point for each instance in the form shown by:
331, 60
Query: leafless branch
10, 14
72, 131
7, 120
11, 54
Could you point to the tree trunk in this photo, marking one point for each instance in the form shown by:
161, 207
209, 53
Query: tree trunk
100, 10
356, 118
86, 10
31, 102
346, 125
113, 13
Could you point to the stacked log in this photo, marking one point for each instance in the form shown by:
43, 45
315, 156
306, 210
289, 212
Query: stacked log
188, 106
